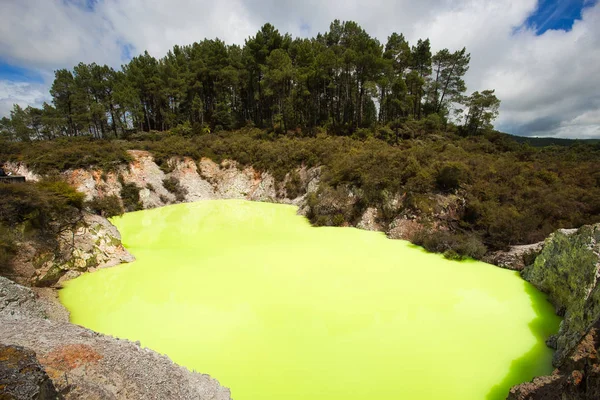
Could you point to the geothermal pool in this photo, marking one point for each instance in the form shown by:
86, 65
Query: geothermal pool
273, 308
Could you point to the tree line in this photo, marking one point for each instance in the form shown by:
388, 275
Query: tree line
342, 80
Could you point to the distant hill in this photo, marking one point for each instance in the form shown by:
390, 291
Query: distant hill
544, 142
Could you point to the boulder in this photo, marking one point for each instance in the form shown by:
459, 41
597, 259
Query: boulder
22, 376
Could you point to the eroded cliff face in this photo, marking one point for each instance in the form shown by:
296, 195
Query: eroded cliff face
204, 180
568, 270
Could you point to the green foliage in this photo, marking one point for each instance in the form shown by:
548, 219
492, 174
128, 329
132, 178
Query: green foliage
362, 134
37, 211
8, 247
333, 80
107, 206
506, 193
454, 246
451, 176
483, 109
184, 129
293, 186
65, 195
432, 123
173, 186
130, 195
66, 153
331, 207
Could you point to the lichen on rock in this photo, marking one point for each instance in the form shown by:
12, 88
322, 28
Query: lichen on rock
95, 243
22, 376
568, 269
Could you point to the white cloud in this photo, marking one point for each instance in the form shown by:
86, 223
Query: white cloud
50, 34
548, 84
157, 26
21, 93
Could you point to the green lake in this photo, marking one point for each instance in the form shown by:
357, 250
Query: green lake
273, 308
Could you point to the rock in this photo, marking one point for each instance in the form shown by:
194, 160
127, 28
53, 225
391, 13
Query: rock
86, 365
368, 221
22, 376
19, 168
403, 228
517, 257
83, 364
19, 300
568, 270
263, 188
147, 175
229, 182
96, 243
186, 172
577, 379
206, 180
304, 180
313, 179
95, 183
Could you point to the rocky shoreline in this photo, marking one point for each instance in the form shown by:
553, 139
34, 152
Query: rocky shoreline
567, 262
80, 363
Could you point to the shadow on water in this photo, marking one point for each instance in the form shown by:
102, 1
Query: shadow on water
538, 360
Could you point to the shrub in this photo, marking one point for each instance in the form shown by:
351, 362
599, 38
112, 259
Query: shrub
451, 176
432, 123
107, 206
65, 194
184, 129
455, 246
386, 134
331, 207
130, 195
68, 153
293, 186
362, 134
421, 203
422, 182
8, 248
338, 220
36, 211
173, 186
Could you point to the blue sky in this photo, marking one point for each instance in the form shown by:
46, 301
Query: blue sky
19, 74
541, 56
556, 14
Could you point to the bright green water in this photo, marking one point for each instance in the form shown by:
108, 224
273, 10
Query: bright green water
273, 308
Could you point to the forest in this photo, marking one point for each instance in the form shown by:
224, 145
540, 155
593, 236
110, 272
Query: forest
342, 80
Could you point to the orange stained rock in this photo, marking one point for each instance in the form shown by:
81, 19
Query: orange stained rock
68, 357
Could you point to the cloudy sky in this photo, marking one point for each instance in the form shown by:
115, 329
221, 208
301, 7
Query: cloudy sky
541, 56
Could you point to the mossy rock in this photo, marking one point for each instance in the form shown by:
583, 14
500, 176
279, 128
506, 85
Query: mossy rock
567, 270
